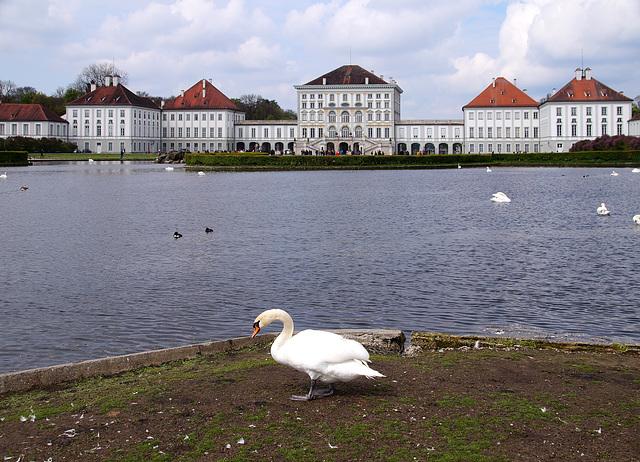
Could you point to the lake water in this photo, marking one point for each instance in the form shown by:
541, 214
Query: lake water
90, 267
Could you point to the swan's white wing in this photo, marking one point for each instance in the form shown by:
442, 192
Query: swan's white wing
313, 351
330, 347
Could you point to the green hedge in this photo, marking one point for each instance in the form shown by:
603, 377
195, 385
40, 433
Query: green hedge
12, 158
21, 143
541, 158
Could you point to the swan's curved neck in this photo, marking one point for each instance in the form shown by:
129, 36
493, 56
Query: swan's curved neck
287, 329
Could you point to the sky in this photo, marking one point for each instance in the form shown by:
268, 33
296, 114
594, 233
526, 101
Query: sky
441, 53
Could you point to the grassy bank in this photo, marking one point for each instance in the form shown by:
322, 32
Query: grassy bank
484, 404
261, 160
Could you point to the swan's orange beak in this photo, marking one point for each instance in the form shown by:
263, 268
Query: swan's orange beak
256, 329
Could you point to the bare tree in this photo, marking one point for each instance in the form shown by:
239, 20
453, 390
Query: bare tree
7, 91
96, 73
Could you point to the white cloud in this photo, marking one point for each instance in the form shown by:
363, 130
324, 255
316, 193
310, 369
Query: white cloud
441, 53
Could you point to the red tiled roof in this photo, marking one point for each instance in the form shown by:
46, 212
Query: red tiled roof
113, 95
193, 99
586, 90
348, 75
502, 93
10, 112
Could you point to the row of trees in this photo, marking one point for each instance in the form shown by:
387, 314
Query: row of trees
255, 106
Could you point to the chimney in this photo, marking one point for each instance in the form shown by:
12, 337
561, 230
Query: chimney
578, 74
381, 77
587, 73
182, 93
524, 91
494, 82
554, 91
116, 80
366, 80
514, 82
107, 81
93, 86
324, 81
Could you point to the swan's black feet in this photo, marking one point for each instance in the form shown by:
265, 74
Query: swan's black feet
323, 393
313, 393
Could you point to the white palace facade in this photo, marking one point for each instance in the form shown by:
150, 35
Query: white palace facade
349, 110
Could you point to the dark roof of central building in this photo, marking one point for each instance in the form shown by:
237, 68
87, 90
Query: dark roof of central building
348, 75
10, 112
113, 95
202, 95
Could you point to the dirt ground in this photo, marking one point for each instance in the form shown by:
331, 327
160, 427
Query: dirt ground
452, 405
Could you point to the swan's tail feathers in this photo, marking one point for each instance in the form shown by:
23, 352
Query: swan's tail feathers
370, 373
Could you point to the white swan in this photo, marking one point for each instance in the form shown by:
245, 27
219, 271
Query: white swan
4, 175
201, 173
169, 169
635, 170
500, 197
614, 173
602, 210
636, 219
488, 170
322, 355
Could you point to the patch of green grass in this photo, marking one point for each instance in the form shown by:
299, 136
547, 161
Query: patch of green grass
520, 409
466, 438
456, 402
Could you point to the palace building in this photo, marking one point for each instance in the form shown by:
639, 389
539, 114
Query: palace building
31, 121
111, 118
349, 110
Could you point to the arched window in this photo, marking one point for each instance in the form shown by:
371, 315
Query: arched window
344, 117
332, 117
344, 132
332, 131
358, 117
358, 132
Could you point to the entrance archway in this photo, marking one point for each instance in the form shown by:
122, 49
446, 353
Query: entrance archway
443, 148
402, 148
266, 147
240, 146
344, 147
415, 147
253, 146
430, 148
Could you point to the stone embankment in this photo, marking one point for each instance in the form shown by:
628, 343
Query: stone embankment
377, 341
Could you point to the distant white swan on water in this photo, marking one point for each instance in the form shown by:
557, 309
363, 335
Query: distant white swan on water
500, 197
4, 175
635, 170
322, 355
488, 170
169, 169
614, 173
636, 219
602, 210
201, 173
